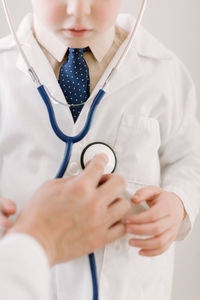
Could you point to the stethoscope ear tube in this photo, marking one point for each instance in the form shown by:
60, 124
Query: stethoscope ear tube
30, 69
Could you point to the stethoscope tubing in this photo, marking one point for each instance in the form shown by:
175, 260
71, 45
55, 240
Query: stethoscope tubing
69, 141
65, 138
93, 269
66, 158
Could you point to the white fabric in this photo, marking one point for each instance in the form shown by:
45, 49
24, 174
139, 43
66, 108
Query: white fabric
24, 270
147, 117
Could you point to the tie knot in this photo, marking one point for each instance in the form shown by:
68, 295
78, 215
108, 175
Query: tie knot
77, 51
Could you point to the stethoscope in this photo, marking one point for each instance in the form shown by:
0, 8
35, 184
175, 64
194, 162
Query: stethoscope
94, 148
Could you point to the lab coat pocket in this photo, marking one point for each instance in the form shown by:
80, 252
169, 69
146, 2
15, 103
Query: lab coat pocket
136, 147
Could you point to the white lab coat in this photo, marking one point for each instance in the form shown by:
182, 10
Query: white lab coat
24, 269
147, 117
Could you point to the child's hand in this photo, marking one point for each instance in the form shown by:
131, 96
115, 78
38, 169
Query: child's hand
161, 221
7, 208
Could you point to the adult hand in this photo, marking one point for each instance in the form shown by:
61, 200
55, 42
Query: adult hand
75, 216
161, 221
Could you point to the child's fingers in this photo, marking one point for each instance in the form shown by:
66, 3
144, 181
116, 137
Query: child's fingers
155, 213
153, 229
155, 252
7, 206
154, 243
5, 222
146, 193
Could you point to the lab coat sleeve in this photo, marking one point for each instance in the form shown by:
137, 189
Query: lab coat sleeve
180, 149
24, 270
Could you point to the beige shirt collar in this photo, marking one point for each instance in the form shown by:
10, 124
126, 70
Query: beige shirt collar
99, 47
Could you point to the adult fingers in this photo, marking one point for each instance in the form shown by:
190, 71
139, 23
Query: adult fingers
94, 170
7, 206
112, 188
115, 232
146, 193
105, 178
118, 210
154, 228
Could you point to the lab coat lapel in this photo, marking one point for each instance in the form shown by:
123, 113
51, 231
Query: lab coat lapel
39, 62
129, 71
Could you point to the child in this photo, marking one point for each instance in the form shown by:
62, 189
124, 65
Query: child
147, 117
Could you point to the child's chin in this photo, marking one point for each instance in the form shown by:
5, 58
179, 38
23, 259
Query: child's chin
77, 40
75, 43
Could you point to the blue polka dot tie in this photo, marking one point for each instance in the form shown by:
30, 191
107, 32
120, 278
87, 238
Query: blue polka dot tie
74, 81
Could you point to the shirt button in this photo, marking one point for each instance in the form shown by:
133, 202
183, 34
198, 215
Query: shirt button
73, 169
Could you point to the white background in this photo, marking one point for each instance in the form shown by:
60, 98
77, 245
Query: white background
177, 24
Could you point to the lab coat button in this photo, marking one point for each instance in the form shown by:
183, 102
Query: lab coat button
74, 168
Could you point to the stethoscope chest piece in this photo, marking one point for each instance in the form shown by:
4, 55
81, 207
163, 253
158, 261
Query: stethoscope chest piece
96, 148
